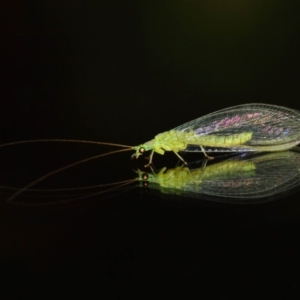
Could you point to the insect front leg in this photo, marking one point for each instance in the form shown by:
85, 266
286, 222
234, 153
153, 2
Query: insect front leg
150, 159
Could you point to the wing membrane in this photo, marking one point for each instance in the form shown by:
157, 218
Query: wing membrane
270, 125
271, 176
274, 173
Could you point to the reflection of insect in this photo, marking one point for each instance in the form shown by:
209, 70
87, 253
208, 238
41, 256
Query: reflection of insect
241, 178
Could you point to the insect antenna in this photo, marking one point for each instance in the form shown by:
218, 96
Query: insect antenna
28, 186
122, 187
65, 141
118, 187
90, 187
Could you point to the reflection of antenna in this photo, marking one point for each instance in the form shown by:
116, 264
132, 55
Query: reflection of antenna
242, 178
119, 187
62, 169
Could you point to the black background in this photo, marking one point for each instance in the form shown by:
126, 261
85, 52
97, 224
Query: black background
123, 71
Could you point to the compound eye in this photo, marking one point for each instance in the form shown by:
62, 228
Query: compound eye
142, 150
145, 176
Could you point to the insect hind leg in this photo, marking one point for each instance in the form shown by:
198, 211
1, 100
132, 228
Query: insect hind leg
203, 150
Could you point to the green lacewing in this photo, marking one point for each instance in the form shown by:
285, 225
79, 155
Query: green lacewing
245, 128
242, 178
254, 127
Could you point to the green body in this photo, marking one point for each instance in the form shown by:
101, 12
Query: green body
180, 177
179, 140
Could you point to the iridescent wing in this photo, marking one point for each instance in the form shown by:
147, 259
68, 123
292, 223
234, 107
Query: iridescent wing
270, 125
274, 174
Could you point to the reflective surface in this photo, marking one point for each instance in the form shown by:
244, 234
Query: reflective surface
116, 237
124, 71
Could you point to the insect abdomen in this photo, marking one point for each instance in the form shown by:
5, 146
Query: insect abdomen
178, 141
222, 140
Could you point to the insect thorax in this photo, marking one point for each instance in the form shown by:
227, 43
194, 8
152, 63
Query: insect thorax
172, 178
170, 141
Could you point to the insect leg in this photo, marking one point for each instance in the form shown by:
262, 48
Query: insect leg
209, 157
150, 159
180, 157
204, 164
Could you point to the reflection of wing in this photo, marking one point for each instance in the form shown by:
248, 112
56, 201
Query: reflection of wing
242, 178
274, 173
269, 124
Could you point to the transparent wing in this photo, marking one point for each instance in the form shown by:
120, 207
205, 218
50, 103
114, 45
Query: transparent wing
270, 125
273, 174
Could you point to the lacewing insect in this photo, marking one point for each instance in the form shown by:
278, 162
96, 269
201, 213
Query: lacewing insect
244, 128
243, 178
251, 127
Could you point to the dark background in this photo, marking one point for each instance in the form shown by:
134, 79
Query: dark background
123, 71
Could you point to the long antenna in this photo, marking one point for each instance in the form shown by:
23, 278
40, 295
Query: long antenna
62, 169
64, 141
119, 186
90, 187
125, 183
